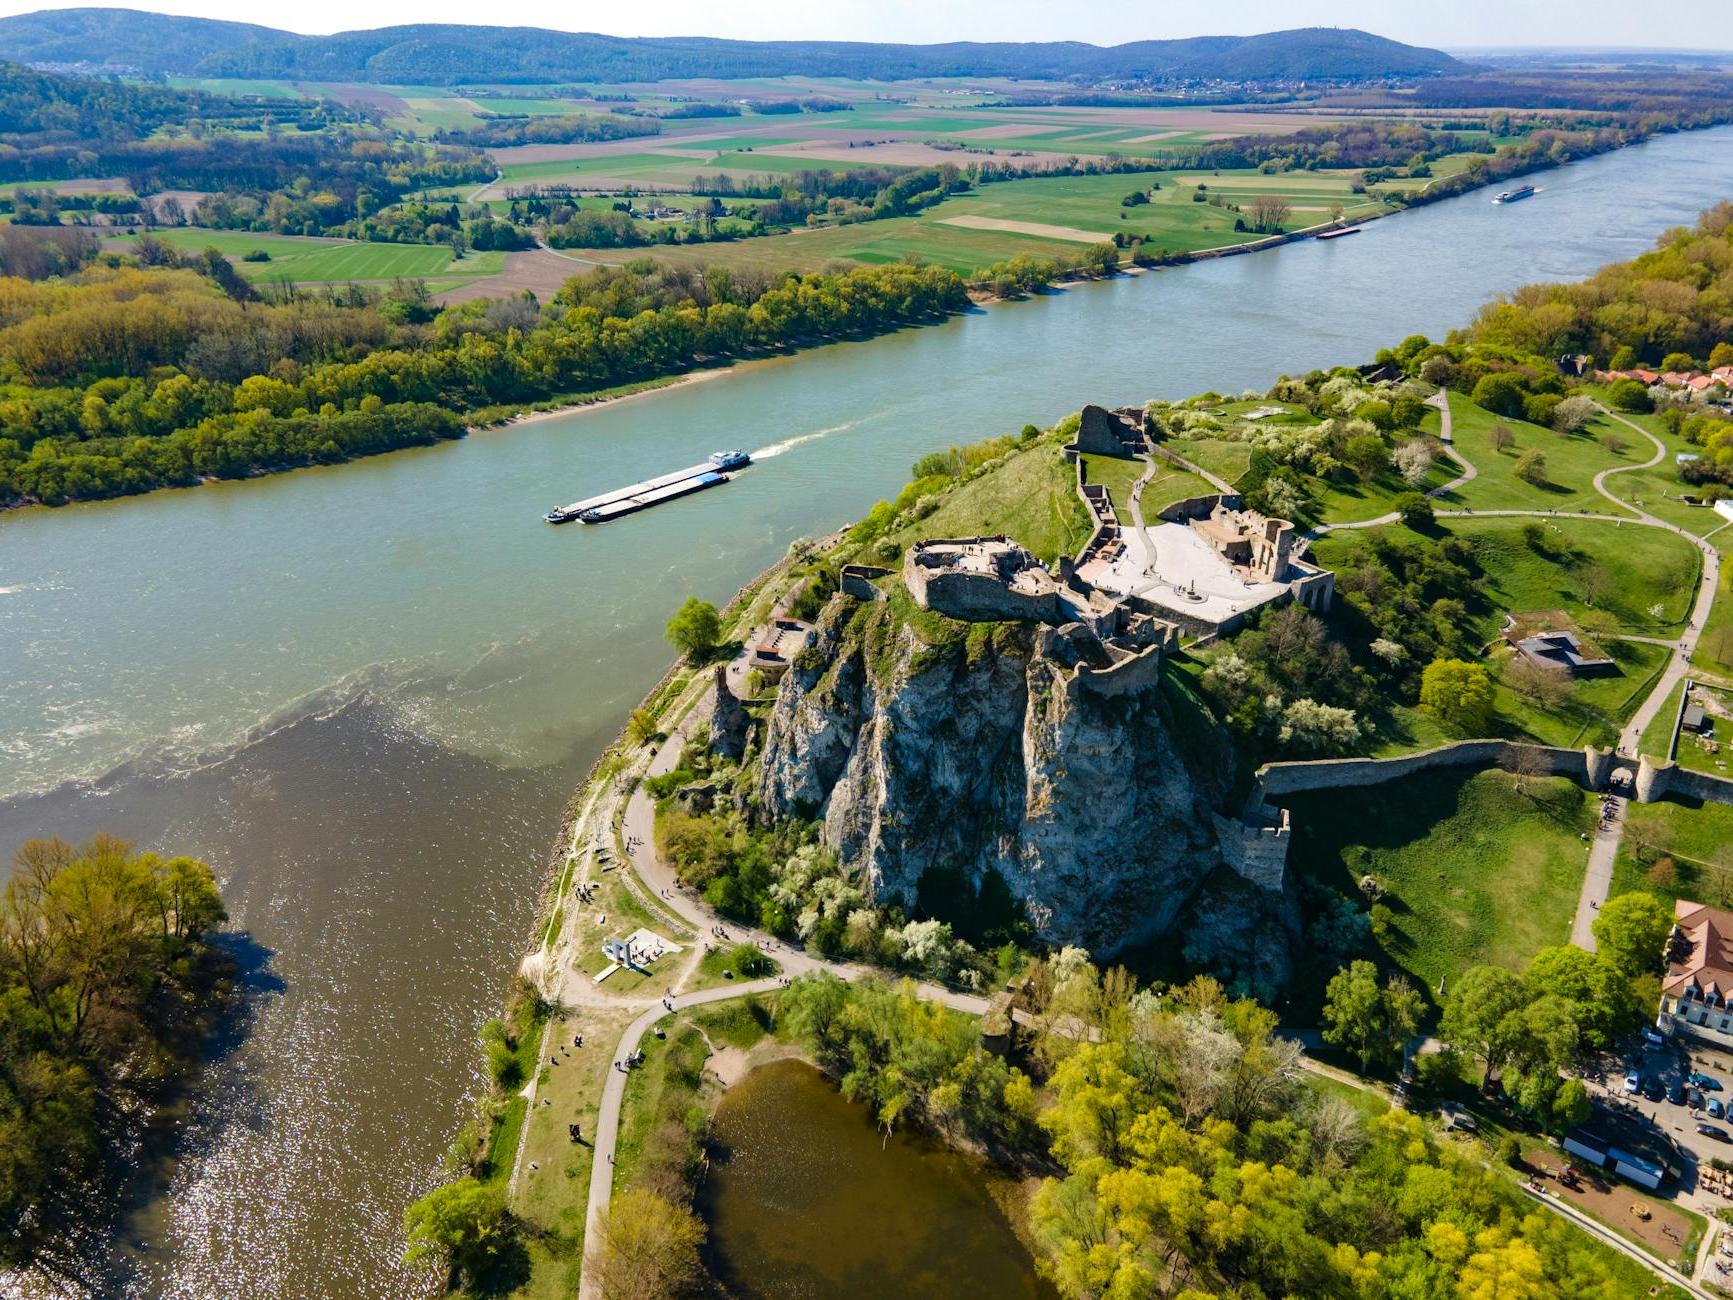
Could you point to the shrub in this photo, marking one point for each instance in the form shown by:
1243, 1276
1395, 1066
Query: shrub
1630, 395
1502, 393
1415, 508
1531, 468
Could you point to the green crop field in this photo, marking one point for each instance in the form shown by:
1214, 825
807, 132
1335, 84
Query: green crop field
325, 261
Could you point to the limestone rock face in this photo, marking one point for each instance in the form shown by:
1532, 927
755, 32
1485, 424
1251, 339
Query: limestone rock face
984, 755
729, 721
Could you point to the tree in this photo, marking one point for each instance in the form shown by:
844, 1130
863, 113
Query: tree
648, 1247
1531, 467
1311, 726
1595, 582
1367, 453
1269, 213
1502, 438
462, 1225
695, 628
1596, 992
1371, 1020
641, 727
1413, 460
1631, 930
1480, 1014
1457, 693
1721, 355
1502, 393
1570, 1106
1678, 361
1415, 508
1538, 684
1630, 395
1573, 413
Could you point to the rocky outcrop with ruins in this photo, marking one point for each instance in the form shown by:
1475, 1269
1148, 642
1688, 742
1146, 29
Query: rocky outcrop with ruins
991, 755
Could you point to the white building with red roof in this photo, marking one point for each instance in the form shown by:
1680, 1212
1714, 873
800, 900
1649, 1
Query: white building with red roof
1697, 990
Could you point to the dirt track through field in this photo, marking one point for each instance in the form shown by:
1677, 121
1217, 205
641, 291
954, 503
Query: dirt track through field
1070, 234
540, 270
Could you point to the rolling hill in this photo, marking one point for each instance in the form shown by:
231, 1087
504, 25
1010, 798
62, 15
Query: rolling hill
452, 54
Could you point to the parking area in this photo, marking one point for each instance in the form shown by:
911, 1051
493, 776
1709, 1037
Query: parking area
1682, 1091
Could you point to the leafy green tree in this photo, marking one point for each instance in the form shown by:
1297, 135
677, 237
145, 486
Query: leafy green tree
1570, 1106
1481, 1014
1415, 508
1458, 693
1370, 1019
1530, 467
461, 1225
1597, 993
1630, 931
1502, 393
1630, 395
695, 628
641, 727
648, 1248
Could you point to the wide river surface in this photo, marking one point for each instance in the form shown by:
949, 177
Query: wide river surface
364, 693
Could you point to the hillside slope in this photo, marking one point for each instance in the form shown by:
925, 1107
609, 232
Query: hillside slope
450, 53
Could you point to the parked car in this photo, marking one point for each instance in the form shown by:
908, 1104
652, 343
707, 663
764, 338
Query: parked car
1676, 1094
1652, 1089
1652, 1039
1707, 1082
1715, 1110
1633, 1083
1713, 1131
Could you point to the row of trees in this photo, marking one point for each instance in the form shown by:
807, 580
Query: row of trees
105, 974
127, 378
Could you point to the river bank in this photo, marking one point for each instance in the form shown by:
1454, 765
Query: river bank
443, 669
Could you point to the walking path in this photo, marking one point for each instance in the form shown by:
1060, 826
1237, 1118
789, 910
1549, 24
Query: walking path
658, 876
655, 875
1439, 402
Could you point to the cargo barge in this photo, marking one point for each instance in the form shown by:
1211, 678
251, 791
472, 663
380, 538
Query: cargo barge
651, 492
1511, 196
1339, 233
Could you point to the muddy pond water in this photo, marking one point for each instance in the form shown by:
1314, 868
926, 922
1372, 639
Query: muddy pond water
807, 1198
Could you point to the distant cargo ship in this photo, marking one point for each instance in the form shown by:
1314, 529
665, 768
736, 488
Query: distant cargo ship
1339, 233
652, 492
1511, 196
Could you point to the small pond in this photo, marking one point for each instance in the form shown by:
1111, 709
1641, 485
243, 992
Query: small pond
805, 1198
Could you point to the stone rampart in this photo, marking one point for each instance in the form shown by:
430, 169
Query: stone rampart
1657, 778
983, 598
1256, 846
1128, 676
1277, 779
857, 580
1191, 508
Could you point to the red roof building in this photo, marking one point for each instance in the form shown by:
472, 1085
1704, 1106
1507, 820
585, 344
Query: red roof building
1696, 989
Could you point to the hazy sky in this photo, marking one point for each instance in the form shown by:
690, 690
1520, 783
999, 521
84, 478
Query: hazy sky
1452, 22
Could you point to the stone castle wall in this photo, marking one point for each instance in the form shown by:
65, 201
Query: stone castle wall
857, 580
1657, 778
1130, 675
1256, 847
977, 597
1276, 779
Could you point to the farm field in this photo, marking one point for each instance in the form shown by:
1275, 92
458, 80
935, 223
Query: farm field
330, 261
1037, 217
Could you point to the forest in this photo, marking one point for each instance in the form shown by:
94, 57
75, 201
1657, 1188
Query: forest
127, 377
1191, 1153
108, 980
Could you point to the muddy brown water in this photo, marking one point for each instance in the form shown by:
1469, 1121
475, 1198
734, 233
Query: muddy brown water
364, 693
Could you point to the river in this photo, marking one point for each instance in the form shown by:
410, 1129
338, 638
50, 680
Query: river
364, 692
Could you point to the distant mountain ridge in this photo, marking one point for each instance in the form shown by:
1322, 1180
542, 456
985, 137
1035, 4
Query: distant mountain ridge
450, 54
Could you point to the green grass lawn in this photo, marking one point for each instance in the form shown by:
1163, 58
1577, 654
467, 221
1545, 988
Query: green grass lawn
1117, 474
1696, 841
1650, 575
1032, 497
1223, 457
1475, 871
1572, 461
1358, 499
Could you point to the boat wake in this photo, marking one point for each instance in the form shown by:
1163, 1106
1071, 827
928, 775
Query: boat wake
789, 444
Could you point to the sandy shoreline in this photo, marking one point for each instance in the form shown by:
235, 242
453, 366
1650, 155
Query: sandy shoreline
588, 403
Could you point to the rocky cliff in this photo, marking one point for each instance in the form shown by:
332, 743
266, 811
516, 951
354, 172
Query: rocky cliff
978, 749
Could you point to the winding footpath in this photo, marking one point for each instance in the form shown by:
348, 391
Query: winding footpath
658, 875
635, 836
